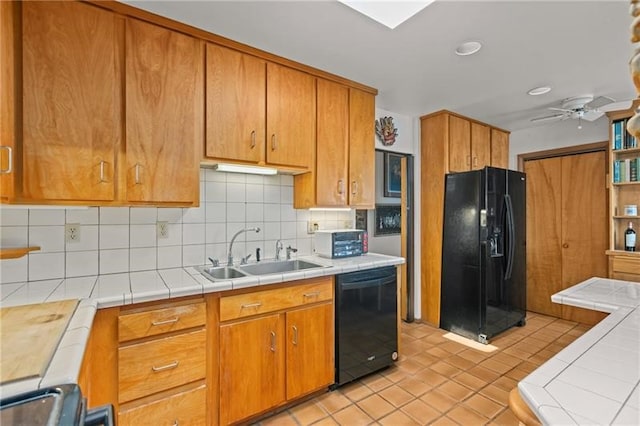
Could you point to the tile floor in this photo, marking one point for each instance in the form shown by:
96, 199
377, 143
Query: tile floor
439, 382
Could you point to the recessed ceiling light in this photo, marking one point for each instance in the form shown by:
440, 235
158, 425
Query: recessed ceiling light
539, 90
468, 48
388, 13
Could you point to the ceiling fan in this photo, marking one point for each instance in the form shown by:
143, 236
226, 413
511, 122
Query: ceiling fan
584, 107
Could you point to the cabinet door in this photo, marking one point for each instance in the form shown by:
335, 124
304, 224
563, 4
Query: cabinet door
9, 98
544, 233
236, 99
480, 146
164, 101
361, 149
499, 149
332, 143
459, 144
291, 117
310, 354
584, 218
183, 408
71, 100
252, 356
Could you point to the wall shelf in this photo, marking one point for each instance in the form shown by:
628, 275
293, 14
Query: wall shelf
16, 252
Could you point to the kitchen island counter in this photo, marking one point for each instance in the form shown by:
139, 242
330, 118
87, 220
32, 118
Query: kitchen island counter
596, 379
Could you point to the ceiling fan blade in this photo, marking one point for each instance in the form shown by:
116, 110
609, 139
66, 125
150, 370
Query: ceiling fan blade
560, 109
592, 115
550, 117
617, 106
598, 102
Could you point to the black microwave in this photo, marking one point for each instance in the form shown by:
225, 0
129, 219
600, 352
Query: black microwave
340, 243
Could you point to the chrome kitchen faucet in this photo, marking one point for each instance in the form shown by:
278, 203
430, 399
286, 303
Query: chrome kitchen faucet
230, 254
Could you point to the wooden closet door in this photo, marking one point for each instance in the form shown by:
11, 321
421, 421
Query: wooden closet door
544, 234
584, 218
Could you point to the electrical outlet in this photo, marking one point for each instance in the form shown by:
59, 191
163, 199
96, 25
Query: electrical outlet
312, 227
72, 232
163, 229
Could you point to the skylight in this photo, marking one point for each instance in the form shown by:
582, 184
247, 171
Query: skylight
388, 13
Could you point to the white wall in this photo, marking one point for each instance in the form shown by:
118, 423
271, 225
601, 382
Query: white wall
555, 135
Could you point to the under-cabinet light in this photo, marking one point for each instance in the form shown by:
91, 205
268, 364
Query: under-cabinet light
238, 168
330, 209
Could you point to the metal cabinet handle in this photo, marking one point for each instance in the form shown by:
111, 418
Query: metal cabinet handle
340, 187
175, 423
295, 335
312, 294
169, 321
253, 139
174, 364
273, 341
9, 168
274, 142
354, 187
251, 305
102, 175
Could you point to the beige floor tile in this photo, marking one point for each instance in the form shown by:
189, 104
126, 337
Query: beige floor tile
466, 416
505, 383
327, 421
281, 419
484, 406
444, 421
414, 386
445, 369
421, 411
438, 400
470, 381
484, 373
431, 377
454, 390
496, 394
375, 406
398, 418
352, 416
308, 412
376, 382
356, 391
396, 395
460, 362
333, 401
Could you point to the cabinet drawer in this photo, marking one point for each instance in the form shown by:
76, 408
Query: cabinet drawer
146, 368
626, 265
260, 302
184, 408
158, 321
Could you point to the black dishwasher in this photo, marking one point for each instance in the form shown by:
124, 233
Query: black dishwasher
366, 322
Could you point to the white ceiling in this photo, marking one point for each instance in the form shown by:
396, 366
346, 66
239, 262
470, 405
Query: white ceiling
577, 47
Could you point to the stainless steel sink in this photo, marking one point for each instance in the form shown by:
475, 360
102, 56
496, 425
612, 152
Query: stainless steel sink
220, 272
264, 268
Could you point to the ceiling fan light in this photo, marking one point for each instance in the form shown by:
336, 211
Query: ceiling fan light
539, 90
468, 48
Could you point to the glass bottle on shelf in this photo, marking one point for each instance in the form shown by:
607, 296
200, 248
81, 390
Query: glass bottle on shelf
630, 238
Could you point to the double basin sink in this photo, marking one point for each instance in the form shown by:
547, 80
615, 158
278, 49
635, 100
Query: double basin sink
218, 273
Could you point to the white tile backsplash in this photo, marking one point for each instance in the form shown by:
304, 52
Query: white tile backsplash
123, 239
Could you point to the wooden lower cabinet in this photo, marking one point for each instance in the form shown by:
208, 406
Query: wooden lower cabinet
271, 359
251, 367
624, 267
310, 354
184, 408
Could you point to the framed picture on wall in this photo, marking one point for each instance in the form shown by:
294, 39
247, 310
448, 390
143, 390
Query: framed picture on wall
387, 219
392, 174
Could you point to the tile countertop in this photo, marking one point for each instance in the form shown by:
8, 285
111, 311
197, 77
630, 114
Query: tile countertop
596, 379
104, 291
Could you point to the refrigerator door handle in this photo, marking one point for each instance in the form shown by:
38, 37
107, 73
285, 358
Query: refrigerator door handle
510, 231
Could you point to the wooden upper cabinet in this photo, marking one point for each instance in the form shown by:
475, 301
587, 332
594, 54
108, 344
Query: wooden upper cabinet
8, 99
72, 106
459, 144
236, 99
165, 100
499, 149
332, 144
361, 149
291, 117
480, 146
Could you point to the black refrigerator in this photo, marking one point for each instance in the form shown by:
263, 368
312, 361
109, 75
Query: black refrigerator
483, 288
